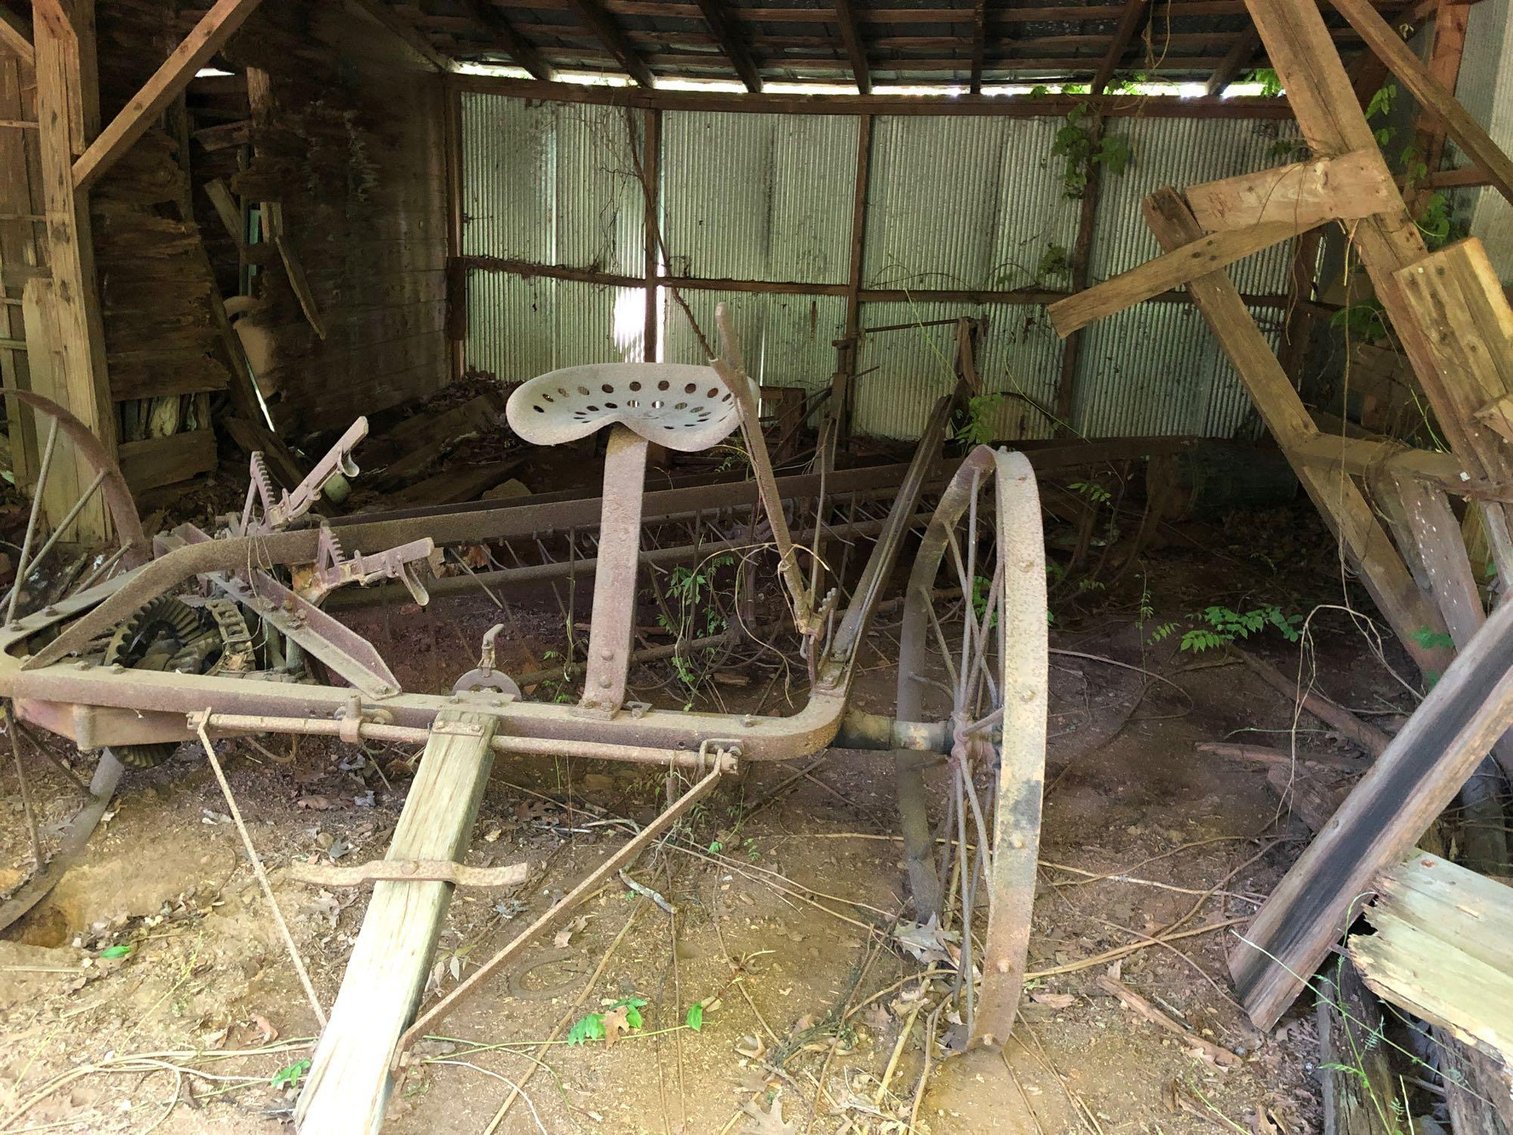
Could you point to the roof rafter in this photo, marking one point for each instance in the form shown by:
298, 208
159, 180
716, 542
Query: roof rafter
608, 32
520, 49
732, 43
1131, 20
1246, 44
856, 48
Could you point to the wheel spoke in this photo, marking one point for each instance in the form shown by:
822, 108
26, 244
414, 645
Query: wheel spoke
964, 850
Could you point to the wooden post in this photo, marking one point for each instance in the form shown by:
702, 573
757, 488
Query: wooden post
1451, 19
457, 274
67, 114
651, 190
842, 392
349, 1081
1082, 250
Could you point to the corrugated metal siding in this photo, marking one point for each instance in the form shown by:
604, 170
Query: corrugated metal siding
956, 203
1485, 88
1156, 370
786, 340
519, 328
964, 203
1181, 152
758, 196
912, 368
550, 184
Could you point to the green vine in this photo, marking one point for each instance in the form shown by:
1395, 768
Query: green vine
1084, 147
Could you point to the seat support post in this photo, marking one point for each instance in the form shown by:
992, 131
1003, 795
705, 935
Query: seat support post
614, 613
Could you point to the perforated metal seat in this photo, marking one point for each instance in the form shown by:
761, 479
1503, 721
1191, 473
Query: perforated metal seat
687, 408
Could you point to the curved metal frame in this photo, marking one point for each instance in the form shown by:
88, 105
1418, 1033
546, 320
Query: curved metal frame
1023, 645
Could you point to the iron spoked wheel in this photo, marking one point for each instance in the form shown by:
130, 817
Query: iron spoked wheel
973, 651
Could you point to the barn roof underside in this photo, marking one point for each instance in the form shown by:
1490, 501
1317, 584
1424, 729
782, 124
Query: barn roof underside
874, 43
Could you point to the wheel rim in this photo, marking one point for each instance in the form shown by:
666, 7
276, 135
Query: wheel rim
985, 667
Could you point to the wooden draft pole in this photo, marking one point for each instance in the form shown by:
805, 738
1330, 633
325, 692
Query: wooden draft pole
349, 1081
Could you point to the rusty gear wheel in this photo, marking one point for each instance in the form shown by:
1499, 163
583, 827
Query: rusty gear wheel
167, 634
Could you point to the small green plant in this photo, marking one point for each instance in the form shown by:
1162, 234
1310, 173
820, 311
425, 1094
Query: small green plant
124, 950
1091, 490
1220, 626
977, 427
1055, 263
1364, 322
1271, 82
1084, 146
290, 1075
695, 1017
1433, 640
623, 1016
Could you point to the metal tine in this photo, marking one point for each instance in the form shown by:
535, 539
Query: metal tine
22, 565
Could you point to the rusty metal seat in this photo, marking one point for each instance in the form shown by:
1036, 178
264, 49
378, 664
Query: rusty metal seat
687, 408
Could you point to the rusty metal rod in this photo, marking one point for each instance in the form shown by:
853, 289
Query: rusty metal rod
232, 723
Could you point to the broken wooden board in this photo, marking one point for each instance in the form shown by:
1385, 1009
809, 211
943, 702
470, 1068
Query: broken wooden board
1443, 949
1201, 257
1412, 782
452, 486
1344, 188
157, 461
1353, 1066
349, 1081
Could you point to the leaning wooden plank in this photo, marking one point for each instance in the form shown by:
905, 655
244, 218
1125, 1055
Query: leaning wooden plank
213, 30
1200, 257
1412, 782
1336, 496
1344, 188
297, 278
226, 209
1353, 1066
1455, 903
15, 36
349, 1082
1466, 132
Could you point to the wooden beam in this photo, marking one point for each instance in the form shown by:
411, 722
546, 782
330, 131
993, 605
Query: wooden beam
607, 32
16, 36
1451, 20
1078, 263
419, 46
856, 47
1339, 501
1344, 188
722, 25
1353, 1067
1131, 20
1172, 270
214, 28
69, 304
520, 49
1431, 95
926, 106
979, 44
1244, 49
349, 1081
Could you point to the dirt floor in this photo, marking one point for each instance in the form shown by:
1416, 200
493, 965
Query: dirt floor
785, 887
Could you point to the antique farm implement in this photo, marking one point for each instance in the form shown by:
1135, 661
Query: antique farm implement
223, 634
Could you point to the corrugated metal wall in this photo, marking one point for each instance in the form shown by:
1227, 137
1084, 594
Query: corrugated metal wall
1485, 88
955, 203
